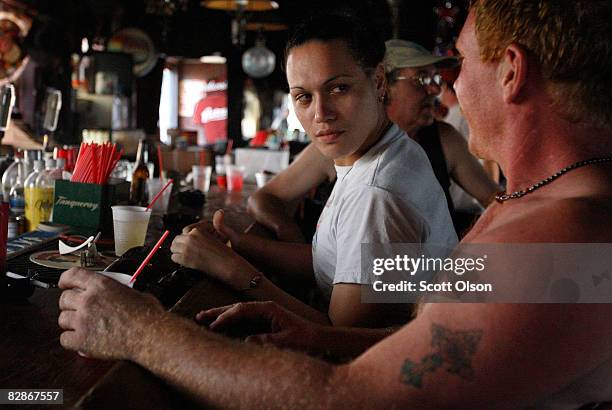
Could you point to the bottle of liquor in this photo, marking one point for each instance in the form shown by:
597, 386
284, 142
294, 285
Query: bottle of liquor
29, 156
17, 224
138, 189
31, 194
11, 173
45, 189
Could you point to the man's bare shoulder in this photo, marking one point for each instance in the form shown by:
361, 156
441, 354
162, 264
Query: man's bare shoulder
467, 350
577, 220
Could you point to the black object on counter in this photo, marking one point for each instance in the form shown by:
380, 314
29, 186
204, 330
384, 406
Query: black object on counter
175, 222
192, 198
13, 289
163, 278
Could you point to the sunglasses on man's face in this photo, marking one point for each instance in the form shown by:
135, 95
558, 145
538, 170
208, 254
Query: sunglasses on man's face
424, 80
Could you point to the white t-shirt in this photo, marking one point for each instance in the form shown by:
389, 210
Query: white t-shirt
389, 195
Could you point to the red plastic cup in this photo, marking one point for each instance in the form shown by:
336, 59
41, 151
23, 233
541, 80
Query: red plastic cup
221, 181
235, 178
236, 183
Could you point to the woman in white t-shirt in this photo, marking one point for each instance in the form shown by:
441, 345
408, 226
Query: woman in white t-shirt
386, 191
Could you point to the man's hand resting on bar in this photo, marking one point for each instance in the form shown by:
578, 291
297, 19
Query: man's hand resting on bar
100, 317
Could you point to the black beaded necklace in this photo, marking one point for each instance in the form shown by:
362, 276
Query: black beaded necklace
503, 196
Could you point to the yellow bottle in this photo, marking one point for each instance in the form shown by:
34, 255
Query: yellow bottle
31, 214
43, 204
44, 190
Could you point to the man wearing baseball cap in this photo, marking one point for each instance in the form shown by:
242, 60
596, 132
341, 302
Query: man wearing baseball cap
414, 82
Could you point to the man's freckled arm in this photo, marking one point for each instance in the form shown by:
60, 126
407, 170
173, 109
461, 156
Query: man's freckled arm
220, 372
465, 357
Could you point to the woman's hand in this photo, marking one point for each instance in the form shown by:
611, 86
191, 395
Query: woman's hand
282, 328
217, 229
203, 249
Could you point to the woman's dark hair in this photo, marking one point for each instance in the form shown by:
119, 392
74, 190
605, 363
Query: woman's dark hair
365, 43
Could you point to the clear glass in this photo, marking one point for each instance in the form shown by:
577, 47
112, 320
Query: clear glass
201, 177
154, 185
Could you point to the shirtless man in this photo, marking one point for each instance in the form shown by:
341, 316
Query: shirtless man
451, 355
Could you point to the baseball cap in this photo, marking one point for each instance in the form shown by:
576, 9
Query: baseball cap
406, 54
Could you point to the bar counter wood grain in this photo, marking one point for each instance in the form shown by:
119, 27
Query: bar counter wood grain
31, 356
129, 385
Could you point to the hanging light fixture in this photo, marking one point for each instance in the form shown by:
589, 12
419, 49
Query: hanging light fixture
240, 8
244, 5
268, 21
258, 61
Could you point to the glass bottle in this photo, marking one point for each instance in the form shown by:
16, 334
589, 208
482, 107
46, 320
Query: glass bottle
16, 194
138, 189
10, 175
13, 227
29, 156
60, 164
32, 210
45, 188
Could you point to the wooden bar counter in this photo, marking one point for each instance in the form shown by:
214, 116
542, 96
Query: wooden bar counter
31, 356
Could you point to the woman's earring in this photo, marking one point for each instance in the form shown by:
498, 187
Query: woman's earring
382, 98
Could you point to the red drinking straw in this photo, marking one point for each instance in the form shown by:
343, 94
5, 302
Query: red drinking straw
95, 163
160, 159
159, 194
149, 256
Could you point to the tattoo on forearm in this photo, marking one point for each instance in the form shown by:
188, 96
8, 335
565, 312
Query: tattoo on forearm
453, 351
